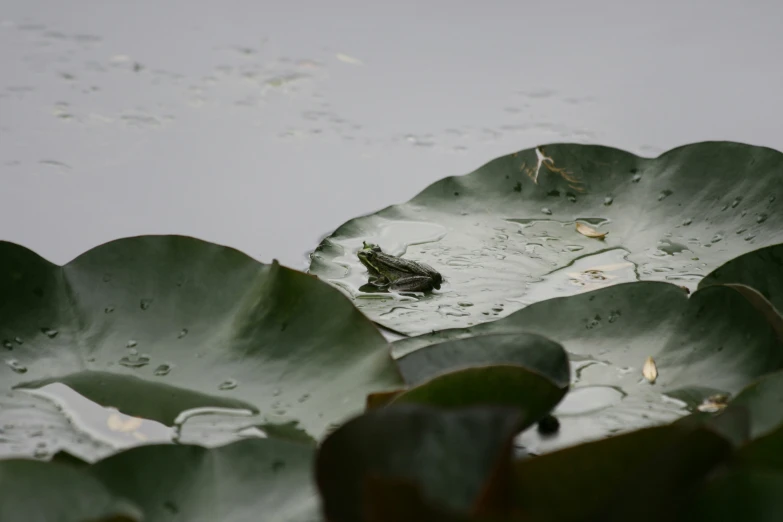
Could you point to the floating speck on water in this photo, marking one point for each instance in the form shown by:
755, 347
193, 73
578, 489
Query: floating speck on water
636, 178
716, 238
608, 200
134, 360
182, 333
736, 202
108, 310
687, 222
51, 333
7, 344
163, 369
228, 384
145, 303
760, 218
18, 340
546, 211
304, 397
131, 343
664, 194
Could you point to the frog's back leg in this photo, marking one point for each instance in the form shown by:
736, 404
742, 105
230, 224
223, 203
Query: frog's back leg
412, 284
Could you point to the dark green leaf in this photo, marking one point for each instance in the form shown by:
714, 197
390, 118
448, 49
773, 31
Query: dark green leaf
39, 491
761, 269
764, 401
245, 481
534, 352
504, 236
747, 496
497, 385
641, 475
449, 455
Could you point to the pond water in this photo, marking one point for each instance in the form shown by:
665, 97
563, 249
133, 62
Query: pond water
265, 125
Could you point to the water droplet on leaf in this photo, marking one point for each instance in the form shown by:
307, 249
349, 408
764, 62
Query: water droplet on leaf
687, 222
546, 211
736, 202
108, 309
135, 360
144, 304
182, 333
163, 369
760, 218
131, 343
636, 178
7, 344
16, 366
608, 200
18, 340
51, 333
664, 194
228, 384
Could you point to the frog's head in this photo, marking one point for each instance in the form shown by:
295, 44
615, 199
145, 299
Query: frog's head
368, 254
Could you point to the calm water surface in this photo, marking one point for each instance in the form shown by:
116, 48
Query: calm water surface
264, 125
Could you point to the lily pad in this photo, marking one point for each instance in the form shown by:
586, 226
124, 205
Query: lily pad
448, 455
49, 491
244, 481
497, 385
613, 479
709, 343
504, 236
760, 269
534, 352
764, 401
177, 322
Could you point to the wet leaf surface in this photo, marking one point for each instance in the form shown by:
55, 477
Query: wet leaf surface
161, 324
672, 218
709, 343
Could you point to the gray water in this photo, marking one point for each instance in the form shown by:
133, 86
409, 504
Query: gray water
264, 125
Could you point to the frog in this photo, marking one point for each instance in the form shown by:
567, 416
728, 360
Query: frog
397, 274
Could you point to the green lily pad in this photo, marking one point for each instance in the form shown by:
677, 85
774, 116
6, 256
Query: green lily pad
748, 495
495, 385
761, 269
49, 491
449, 455
504, 236
640, 475
177, 322
711, 342
534, 352
764, 401
245, 481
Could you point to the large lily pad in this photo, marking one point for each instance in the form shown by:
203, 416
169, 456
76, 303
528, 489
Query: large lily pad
167, 323
504, 236
713, 342
240, 482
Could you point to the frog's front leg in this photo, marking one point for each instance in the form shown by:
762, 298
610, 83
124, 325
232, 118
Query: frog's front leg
412, 284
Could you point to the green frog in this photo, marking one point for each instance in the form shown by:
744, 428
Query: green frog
397, 274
